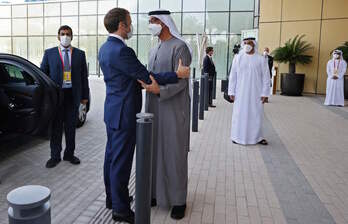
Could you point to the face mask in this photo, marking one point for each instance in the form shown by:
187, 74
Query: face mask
265, 53
155, 29
130, 33
248, 48
65, 41
336, 56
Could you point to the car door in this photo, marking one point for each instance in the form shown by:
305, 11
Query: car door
29, 99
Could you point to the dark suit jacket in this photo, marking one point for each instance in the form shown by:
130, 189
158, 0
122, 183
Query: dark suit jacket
270, 63
208, 66
53, 67
121, 69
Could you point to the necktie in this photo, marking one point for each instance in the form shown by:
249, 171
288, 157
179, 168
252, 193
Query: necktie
66, 60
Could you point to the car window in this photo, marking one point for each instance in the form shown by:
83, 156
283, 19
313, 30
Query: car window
17, 75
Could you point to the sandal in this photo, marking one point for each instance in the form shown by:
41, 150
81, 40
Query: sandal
263, 142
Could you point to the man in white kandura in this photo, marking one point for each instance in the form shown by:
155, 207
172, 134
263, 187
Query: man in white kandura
248, 88
336, 68
171, 106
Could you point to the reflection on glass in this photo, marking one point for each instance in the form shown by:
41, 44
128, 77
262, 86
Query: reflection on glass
69, 8
35, 10
219, 43
241, 21
88, 8
20, 46
52, 25
52, 9
5, 27
192, 40
105, 6
5, 45
51, 42
234, 39
148, 5
35, 26
130, 5
218, 5
173, 6
177, 20
19, 11
71, 21
193, 23
194, 6
88, 25
146, 42
101, 28
19, 27
143, 24
89, 45
240, 5
217, 23
5, 11
35, 50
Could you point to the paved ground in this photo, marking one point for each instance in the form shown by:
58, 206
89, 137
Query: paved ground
301, 177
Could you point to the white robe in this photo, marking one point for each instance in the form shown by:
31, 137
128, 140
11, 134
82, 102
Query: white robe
249, 81
335, 88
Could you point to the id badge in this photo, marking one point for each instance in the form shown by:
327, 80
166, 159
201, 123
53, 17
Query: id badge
67, 78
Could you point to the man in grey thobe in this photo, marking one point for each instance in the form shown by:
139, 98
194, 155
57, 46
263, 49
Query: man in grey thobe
171, 108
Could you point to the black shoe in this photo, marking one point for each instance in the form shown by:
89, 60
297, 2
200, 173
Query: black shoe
108, 203
52, 163
213, 106
72, 159
178, 212
153, 202
118, 217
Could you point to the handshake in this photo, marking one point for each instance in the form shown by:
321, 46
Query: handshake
182, 72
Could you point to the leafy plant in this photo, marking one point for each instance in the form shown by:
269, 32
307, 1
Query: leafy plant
344, 49
293, 52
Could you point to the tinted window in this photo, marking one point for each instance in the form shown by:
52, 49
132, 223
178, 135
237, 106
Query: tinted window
16, 74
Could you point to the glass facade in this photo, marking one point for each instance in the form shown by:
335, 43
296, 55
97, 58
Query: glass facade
29, 28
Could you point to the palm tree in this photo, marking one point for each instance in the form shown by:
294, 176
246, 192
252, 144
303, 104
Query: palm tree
293, 52
344, 49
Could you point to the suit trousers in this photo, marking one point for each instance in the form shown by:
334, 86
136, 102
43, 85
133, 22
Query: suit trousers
211, 87
117, 167
65, 119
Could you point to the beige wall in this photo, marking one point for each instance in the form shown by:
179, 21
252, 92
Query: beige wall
324, 22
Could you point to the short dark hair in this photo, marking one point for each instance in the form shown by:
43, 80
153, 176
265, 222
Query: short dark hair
113, 18
65, 27
208, 49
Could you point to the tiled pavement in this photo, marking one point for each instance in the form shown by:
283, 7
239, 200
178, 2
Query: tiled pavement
301, 177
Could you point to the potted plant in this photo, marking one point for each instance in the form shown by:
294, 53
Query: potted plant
293, 52
344, 49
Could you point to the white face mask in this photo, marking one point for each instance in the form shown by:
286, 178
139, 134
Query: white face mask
248, 48
155, 29
336, 56
265, 53
65, 41
130, 33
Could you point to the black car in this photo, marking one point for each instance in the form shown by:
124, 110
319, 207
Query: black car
28, 98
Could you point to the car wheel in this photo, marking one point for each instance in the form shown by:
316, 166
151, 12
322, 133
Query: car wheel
82, 115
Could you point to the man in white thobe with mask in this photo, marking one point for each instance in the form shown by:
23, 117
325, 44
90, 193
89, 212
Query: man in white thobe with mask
248, 88
171, 106
336, 68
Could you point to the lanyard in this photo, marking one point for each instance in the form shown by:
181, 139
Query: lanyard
61, 57
338, 66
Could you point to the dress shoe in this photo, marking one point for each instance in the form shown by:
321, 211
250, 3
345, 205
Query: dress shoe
153, 202
72, 159
52, 163
213, 106
178, 212
119, 217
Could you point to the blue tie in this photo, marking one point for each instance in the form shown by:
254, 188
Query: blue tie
66, 60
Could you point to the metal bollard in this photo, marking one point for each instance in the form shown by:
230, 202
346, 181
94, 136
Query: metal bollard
214, 87
29, 205
194, 74
195, 106
143, 178
206, 92
201, 99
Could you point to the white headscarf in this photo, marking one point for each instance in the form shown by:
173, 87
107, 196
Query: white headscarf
169, 22
256, 47
337, 51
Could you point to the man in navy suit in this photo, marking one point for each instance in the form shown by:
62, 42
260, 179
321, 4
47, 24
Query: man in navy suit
209, 68
66, 66
121, 70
